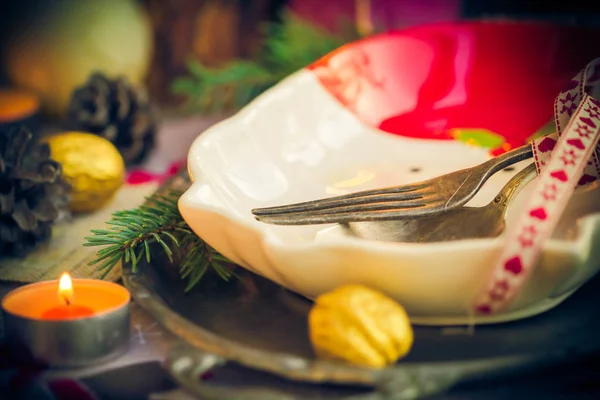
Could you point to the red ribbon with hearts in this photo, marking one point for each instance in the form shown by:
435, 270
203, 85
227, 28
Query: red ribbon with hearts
564, 106
565, 160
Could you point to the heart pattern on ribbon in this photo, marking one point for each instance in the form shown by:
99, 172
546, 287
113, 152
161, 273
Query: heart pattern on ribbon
565, 160
565, 105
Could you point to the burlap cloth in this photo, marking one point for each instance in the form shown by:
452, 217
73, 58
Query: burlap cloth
64, 252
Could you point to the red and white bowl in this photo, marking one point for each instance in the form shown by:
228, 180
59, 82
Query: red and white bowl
391, 109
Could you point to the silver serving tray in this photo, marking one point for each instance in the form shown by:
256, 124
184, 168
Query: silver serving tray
257, 324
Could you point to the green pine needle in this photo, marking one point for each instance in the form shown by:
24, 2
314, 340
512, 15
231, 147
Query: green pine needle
290, 46
131, 232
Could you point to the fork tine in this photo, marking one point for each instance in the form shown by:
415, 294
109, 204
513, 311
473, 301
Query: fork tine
451, 185
360, 207
396, 193
345, 217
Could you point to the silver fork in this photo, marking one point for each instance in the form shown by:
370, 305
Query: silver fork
460, 223
414, 200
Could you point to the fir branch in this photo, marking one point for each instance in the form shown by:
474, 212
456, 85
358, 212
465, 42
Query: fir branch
130, 233
290, 45
212, 90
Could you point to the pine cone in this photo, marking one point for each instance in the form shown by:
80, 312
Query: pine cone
33, 194
116, 111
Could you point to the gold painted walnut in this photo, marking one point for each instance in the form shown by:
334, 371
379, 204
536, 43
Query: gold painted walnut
360, 326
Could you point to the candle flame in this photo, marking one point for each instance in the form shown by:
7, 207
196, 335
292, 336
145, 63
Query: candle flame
65, 289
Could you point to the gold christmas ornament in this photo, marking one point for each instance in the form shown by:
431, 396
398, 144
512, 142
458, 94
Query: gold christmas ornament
360, 326
91, 165
64, 41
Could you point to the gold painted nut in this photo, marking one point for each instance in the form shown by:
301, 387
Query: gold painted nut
360, 326
92, 166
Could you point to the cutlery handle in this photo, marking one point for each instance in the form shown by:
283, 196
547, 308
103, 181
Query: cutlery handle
514, 186
507, 159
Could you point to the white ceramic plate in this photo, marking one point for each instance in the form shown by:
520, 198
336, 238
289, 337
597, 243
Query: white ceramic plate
299, 142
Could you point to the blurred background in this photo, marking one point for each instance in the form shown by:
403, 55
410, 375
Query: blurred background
51, 45
205, 57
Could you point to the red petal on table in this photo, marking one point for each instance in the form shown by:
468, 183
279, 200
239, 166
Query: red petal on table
67, 389
176, 166
139, 176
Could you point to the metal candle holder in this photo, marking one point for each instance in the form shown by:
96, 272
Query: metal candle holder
72, 341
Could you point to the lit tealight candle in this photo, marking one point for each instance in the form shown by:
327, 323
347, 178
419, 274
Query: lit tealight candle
67, 323
67, 309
